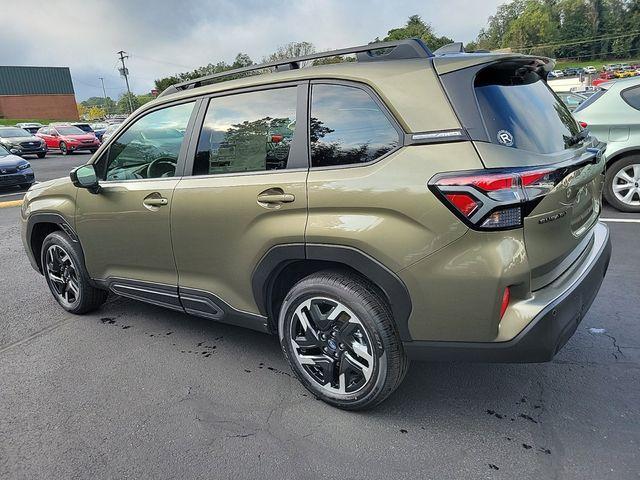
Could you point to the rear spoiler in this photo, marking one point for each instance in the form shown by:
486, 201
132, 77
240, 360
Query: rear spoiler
450, 63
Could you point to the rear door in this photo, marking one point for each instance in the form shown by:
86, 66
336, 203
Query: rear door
244, 191
522, 127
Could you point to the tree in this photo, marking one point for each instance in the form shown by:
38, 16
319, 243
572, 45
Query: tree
82, 110
96, 113
123, 103
291, 50
417, 28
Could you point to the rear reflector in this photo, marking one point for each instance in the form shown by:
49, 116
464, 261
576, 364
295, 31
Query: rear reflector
506, 296
583, 124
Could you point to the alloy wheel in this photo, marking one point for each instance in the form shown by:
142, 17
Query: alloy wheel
63, 148
626, 185
62, 275
331, 346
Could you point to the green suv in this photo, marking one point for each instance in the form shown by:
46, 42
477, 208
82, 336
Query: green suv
406, 205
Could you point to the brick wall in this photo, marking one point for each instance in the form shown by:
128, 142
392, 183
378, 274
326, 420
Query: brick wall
46, 107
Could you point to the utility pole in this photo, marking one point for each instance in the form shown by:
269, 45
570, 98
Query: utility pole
125, 73
104, 92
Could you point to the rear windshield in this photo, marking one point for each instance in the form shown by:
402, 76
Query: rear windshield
521, 111
590, 100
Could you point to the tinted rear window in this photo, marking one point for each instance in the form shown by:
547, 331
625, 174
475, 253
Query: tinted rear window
590, 100
632, 96
521, 111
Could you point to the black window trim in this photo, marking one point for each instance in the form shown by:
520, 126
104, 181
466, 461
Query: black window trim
105, 147
299, 146
625, 90
402, 135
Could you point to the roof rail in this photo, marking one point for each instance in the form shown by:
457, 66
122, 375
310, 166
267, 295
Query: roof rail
398, 50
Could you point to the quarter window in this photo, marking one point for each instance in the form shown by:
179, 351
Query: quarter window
150, 146
347, 127
632, 97
247, 132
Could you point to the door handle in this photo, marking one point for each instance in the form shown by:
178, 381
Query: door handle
155, 201
273, 197
276, 198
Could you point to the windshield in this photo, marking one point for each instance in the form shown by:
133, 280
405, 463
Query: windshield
521, 111
13, 133
69, 131
3, 151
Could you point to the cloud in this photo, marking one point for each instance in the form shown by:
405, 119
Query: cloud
165, 37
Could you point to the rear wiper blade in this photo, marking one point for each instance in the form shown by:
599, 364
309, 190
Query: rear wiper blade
577, 138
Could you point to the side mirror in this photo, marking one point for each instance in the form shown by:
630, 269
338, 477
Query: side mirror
85, 177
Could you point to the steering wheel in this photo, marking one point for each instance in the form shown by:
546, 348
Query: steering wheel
160, 167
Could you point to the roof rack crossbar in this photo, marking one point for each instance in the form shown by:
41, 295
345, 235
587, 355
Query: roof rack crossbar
398, 50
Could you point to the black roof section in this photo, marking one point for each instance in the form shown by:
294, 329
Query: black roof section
398, 50
21, 80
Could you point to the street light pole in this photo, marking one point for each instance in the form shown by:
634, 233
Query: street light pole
125, 73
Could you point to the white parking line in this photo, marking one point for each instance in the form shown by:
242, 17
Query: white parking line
621, 220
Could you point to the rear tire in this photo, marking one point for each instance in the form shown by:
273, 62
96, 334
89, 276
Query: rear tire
68, 280
623, 179
338, 335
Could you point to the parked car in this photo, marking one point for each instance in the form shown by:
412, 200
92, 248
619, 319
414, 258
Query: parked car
465, 226
14, 170
20, 142
571, 72
556, 73
613, 116
111, 128
571, 100
99, 129
590, 70
31, 127
85, 127
68, 139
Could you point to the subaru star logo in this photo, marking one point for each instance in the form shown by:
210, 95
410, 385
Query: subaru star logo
505, 138
3, 171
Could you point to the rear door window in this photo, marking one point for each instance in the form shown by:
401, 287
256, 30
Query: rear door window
347, 127
521, 111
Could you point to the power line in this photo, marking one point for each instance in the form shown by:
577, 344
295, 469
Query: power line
159, 61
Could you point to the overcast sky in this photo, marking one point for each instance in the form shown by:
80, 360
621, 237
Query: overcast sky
165, 37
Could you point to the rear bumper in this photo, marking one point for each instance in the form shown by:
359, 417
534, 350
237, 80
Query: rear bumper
550, 329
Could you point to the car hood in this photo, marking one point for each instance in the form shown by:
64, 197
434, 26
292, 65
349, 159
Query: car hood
86, 136
11, 161
51, 183
30, 138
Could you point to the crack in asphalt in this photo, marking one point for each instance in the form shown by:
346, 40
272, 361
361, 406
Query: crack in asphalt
615, 345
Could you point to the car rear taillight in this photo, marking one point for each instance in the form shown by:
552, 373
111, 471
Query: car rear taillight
583, 124
495, 199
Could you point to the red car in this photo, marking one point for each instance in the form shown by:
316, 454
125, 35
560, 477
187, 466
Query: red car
68, 138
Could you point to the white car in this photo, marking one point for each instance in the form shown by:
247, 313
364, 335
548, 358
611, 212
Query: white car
557, 73
590, 70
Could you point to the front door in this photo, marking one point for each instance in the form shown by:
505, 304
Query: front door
124, 229
246, 193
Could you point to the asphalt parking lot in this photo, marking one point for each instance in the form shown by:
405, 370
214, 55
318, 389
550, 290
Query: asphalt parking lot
135, 391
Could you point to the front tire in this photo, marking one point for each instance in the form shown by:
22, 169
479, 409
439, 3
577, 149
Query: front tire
622, 184
42, 155
66, 276
338, 335
63, 148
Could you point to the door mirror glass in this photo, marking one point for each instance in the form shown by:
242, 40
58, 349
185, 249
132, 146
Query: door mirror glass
85, 177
